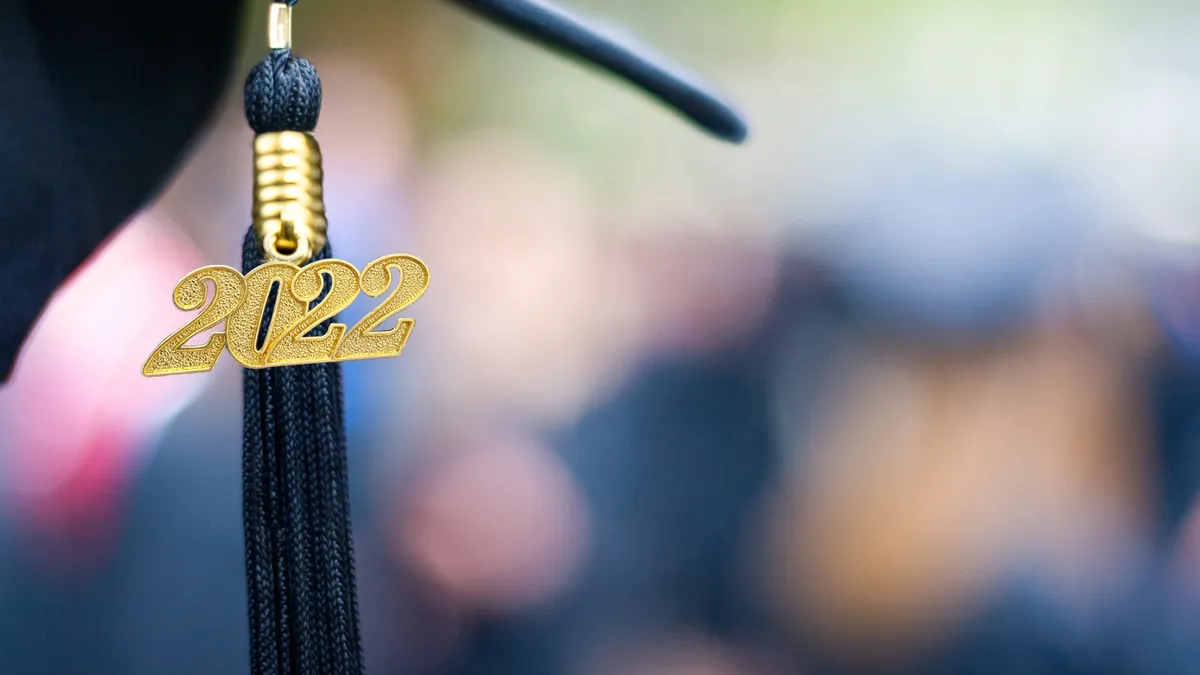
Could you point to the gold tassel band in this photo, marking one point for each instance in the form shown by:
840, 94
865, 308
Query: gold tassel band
289, 213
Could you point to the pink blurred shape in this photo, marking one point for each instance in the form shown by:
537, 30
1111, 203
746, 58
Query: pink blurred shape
499, 524
77, 412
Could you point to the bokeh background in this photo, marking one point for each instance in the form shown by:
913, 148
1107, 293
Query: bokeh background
908, 384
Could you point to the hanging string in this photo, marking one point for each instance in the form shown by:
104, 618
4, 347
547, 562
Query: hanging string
303, 608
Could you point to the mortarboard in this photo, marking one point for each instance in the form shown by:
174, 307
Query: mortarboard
101, 104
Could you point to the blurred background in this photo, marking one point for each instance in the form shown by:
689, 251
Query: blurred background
909, 384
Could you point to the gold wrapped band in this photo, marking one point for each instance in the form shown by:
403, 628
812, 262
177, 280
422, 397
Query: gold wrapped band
289, 212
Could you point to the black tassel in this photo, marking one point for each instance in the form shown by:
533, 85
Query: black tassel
303, 606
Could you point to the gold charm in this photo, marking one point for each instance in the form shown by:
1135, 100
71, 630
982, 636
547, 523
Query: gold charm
290, 225
241, 303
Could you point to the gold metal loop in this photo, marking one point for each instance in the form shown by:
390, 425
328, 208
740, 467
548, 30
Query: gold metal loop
279, 26
296, 252
289, 210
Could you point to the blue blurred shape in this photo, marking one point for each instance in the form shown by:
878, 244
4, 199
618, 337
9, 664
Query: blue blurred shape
956, 252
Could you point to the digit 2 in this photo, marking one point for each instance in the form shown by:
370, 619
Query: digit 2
172, 357
292, 346
362, 341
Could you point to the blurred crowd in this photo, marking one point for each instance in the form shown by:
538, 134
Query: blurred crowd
910, 384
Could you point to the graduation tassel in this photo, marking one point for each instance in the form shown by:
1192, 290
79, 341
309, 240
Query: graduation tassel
280, 324
299, 551
279, 315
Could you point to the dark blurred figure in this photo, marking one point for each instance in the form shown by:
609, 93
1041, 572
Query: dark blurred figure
677, 467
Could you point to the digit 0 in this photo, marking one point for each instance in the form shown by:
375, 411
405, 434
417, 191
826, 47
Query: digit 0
248, 337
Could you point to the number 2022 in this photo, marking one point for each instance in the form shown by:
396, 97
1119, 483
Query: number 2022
285, 337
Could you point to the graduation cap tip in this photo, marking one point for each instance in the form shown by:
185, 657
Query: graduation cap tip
565, 32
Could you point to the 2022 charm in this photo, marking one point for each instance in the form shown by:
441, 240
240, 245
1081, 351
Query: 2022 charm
287, 339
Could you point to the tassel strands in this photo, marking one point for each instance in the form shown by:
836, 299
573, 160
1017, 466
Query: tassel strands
299, 552
303, 607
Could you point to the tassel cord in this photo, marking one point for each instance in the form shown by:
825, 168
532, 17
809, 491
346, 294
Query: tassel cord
302, 602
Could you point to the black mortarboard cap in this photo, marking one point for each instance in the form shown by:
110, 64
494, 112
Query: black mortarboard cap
100, 100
